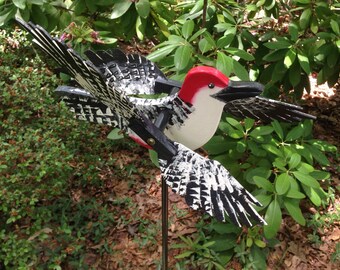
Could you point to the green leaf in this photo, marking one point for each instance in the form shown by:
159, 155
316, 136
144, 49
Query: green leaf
187, 28
249, 242
240, 53
221, 27
209, 38
197, 7
182, 57
275, 55
248, 123
294, 134
39, 16
225, 228
234, 123
240, 71
273, 149
176, 40
250, 38
279, 72
161, 53
140, 27
270, 4
278, 129
317, 155
282, 183
305, 18
143, 8
273, 218
224, 41
260, 243
37, 2
295, 194
115, 134
241, 146
120, 8
92, 7
304, 62
314, 25
160, 22
263, 183
185, 254
235, 134
305, 168
216, 145
223, 243
294, 160
295, 74
197, 34
293, 208
289, 58
260, 3
20, 3
154, 157
280, 163
335, 27
312, 195
204, 45
224, 63
278, 45
264, 199
293, 31
303, 1
259, 171
260, 131
306, 179
7, 14
320, 175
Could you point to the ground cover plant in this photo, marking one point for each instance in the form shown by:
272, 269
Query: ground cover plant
58, 174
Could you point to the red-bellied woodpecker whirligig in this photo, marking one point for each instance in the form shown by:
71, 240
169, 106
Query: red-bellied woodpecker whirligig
109, 85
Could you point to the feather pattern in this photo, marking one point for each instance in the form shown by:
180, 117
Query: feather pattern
207, 185
132, 71
266, 110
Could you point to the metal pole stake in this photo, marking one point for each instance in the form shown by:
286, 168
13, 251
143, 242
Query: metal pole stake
164, 226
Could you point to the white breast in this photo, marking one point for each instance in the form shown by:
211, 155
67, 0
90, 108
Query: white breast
201, 123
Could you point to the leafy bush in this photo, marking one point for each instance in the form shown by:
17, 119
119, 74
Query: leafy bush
236, 38
278, 159
116, 18
43, 154
275, 158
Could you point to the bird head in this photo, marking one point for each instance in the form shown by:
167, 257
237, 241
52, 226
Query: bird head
207, 90
216, 85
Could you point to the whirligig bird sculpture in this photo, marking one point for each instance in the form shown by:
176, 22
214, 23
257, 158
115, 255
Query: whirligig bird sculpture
108, 84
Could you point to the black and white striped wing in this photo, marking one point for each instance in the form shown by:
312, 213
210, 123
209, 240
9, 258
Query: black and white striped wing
207, 185
132, 71
265, 109
84, 72
86, 107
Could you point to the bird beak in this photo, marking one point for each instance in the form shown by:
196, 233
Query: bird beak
239, 90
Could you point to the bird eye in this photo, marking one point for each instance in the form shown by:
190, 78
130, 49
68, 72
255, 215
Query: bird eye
211, 85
